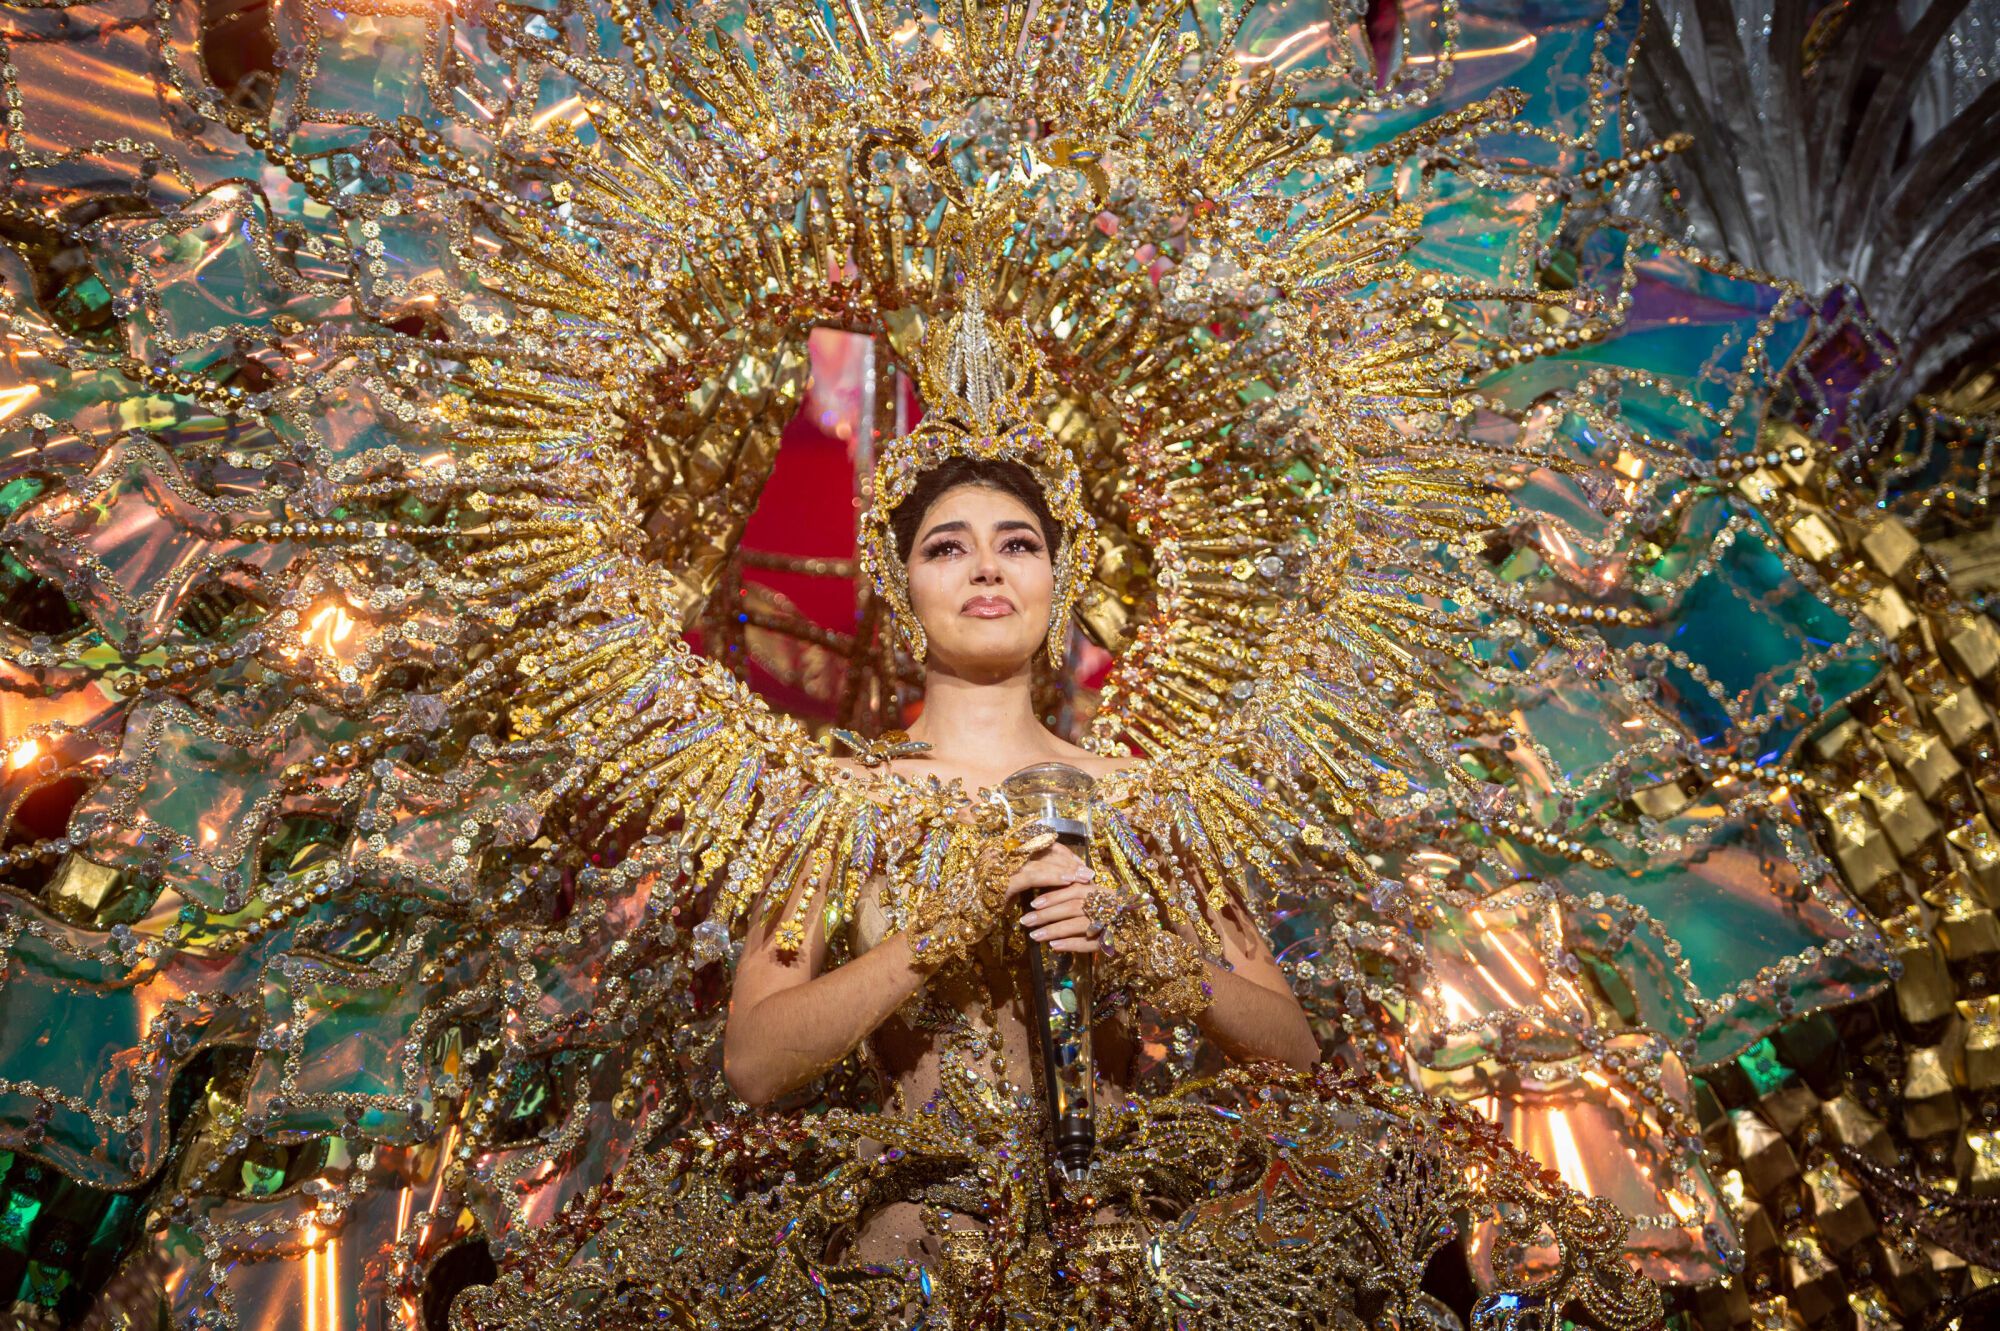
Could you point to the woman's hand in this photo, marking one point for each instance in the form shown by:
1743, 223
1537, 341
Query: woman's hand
944, 924
1056, 916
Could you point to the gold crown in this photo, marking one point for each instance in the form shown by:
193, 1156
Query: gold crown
979, 383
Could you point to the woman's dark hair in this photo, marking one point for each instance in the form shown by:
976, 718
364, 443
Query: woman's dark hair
1007, 477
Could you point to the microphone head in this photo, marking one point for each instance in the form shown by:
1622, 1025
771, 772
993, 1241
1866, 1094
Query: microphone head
1056, 795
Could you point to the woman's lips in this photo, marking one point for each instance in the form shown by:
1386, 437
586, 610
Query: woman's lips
987, 607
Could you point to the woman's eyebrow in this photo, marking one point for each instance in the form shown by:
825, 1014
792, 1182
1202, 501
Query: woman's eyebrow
1005, 524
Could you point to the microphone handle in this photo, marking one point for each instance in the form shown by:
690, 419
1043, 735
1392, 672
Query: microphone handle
1060, 992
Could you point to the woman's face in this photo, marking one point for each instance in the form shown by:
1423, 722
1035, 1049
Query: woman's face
982, 578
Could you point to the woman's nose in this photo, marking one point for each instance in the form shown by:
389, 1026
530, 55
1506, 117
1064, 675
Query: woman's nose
987, 568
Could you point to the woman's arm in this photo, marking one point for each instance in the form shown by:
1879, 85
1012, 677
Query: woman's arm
1254, 1015
788, 1022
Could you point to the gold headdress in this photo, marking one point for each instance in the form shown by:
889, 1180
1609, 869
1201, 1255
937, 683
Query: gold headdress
979, 382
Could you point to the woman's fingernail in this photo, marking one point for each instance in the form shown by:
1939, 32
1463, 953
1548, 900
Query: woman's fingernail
1039, 902
1039, 935
1030, 919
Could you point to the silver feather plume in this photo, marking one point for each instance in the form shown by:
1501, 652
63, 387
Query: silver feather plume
1853, 143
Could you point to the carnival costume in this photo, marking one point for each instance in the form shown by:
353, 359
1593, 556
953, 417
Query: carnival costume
1248, 1199
397, 914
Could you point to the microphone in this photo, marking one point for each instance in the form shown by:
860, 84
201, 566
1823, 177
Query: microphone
1056, 796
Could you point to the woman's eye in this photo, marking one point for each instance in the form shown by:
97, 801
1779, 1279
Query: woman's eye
1016, 545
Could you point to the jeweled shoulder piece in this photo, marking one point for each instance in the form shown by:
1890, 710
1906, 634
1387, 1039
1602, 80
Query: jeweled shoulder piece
883, 749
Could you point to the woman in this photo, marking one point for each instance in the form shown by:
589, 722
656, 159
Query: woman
884, 909
977, 541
